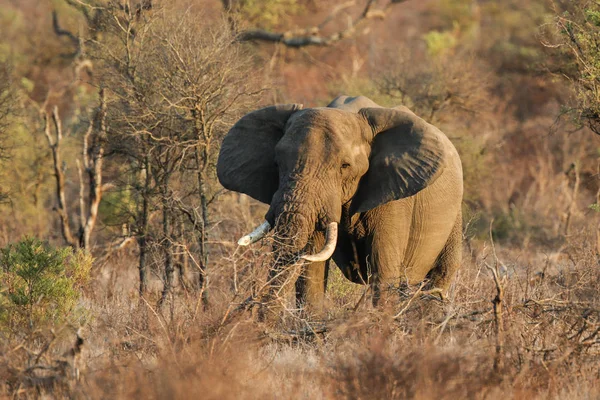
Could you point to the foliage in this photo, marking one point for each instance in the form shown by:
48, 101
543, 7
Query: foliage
457, 14
360, 86
40, 284
477, 168
7, 111
440, 87
578, 28
266, 14
439, 43
117, 207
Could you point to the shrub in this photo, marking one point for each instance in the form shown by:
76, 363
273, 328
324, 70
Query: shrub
576, 34
40, 284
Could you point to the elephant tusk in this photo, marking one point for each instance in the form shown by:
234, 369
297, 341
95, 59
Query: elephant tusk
329, 248
255, 235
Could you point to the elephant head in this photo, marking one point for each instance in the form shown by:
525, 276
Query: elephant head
309, 164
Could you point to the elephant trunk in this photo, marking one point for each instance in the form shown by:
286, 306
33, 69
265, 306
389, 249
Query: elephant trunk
296, 222
292, 232
297, 213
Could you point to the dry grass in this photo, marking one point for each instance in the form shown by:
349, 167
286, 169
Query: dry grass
419, 348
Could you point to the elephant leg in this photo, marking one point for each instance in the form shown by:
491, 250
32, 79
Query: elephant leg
270, 302
387, 292
311, 285
386, 250
387, 279
448, 262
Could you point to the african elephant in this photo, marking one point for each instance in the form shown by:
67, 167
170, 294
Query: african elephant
378, 189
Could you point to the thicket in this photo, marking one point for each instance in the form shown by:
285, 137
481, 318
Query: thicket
133, 123
173, 88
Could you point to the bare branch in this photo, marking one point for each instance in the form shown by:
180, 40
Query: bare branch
93, 160
81, 197
312, 36
63, 32
336, 10
59, 174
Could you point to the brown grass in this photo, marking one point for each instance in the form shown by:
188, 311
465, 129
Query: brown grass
419, 348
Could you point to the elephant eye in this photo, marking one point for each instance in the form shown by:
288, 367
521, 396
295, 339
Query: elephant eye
345, 165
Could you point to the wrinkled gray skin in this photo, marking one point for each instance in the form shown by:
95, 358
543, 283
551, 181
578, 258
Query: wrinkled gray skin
392, 181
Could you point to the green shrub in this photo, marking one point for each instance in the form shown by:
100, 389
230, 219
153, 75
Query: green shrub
118, 207
439, 43
269, 13
40, 284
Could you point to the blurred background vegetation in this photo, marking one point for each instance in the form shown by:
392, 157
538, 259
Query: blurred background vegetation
143, 91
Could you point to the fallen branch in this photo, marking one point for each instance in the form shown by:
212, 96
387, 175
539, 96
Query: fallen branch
299, 334
313, 36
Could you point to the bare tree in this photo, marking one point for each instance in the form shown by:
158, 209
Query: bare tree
174, 87
92, 156
54, 142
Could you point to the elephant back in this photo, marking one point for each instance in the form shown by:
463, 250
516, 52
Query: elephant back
352, 104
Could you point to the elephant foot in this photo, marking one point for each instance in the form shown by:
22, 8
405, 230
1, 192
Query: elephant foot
262, 309
269, 311
436, 294
387, 296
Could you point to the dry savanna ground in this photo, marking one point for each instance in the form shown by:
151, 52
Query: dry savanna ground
518, 324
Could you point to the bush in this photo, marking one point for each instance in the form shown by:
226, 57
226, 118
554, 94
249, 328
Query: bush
40, 284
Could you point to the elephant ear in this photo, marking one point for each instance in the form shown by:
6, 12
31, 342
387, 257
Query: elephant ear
407, 155
246, 161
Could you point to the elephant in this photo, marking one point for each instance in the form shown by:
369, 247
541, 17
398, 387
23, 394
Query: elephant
378, 190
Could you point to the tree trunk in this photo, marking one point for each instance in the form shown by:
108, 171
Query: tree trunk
573, 204
60, 176
93, 160
167, 242
182, 263
203, 134
143, 233
202, 163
